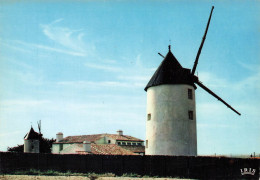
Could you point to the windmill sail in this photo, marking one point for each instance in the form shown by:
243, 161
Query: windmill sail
216, 96
39, 126
201, 45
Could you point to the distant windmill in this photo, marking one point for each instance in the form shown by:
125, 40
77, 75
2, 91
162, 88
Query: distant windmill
171, 109
39, 126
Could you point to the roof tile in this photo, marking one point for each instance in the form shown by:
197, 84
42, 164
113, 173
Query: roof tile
135, 149
94, 137
104, 149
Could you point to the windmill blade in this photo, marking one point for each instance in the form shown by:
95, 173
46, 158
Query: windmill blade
201, 45
161, 55
216, 96
39, 126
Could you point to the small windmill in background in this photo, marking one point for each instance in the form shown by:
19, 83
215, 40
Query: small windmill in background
32, 140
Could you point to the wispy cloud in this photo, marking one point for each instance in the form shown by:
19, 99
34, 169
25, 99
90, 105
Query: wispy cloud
211, 80
134, 78
67, 41
26, 76
14, 46
68, 38
33, 46
103, 67
252, 81
89, 84
24, 102
16, 62
251, 67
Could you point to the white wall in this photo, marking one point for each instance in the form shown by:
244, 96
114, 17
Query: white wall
31, 146
56, 147
170, 131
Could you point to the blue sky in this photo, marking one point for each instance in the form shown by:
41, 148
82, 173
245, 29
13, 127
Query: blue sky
81, 67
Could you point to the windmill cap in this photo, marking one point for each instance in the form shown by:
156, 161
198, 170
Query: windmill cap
32, 135
59, 133
170, 71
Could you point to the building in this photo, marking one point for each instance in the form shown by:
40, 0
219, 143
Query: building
171, 108
108, 144
171, 112
32, 142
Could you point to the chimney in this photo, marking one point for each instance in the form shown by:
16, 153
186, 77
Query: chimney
120, 132
87, 146
59, 137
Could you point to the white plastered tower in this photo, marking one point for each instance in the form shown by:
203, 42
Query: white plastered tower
171, 111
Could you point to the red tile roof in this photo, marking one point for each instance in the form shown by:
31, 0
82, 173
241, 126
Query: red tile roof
107, 149
94, 137
123, 137
135, 149
80, 139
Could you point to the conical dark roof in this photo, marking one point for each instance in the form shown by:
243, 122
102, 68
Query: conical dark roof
32, 134
170, 71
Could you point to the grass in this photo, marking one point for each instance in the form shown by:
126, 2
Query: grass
131, 175
90, 175
48, 173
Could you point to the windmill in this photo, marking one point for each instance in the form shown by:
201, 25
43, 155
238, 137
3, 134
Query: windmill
171, 109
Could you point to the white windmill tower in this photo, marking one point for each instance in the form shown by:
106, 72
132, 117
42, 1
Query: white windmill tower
171, 108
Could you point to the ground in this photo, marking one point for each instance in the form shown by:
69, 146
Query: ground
26, 177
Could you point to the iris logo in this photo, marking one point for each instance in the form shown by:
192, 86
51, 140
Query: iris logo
249, 171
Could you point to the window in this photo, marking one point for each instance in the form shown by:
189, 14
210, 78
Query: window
146, 143
109, 141
119, 143
191, 115
123, 143
148, 116
128, 143
32, 147
61, 147
190, 93
139, 144
134, 144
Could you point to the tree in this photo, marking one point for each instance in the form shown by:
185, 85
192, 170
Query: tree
18, 148
45, 146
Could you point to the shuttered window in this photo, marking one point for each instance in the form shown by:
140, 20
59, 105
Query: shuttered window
190, 115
